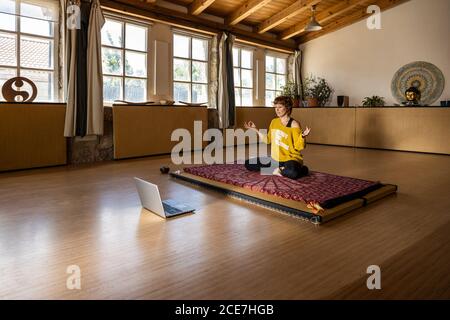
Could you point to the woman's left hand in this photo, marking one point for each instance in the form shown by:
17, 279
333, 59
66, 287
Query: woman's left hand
306, 132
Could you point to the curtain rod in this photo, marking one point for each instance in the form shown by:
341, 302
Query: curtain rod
263, 45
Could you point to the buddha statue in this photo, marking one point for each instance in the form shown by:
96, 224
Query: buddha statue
412, 96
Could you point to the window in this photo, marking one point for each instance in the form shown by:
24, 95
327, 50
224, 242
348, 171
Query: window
190, 68
243, 76
124, 60
275, 77
29, 44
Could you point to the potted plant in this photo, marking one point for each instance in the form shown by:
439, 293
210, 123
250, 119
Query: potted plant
317, 91
291, 90
373, 101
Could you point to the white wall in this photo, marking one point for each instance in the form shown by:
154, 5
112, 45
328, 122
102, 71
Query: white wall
359, 62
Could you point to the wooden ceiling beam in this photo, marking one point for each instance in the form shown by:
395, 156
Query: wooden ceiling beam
351, 19
190, 22
322, 17
198, 6
244, 11
294, 9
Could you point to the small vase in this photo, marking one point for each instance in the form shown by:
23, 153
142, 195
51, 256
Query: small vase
296, 103
313, 102
343, 101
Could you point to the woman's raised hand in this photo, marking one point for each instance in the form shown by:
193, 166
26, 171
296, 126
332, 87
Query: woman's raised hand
306, 132
249, 125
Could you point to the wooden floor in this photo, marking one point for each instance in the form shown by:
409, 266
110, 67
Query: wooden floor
90, 216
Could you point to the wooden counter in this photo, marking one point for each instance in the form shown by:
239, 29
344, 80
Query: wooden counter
146, 130
31, 135
420, 129
409, 129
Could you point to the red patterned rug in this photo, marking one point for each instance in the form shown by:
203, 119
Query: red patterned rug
325, 189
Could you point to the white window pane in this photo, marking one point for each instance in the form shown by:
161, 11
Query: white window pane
247, 59
8, 6
237, 97
270, 81
136, 37
270, 64
37, 27
236, 61
112, 88
278, 93
181, 70
5, 75
247, 97
112, 61
199, 93
7, 22
8, 55
270, 96
281, 81
247, 78
182, 92
47, 11
135, 90
199, 72
237, 77
281, 66
44, 82
181, 46
36, 53
112, 33
199, 49
135, 64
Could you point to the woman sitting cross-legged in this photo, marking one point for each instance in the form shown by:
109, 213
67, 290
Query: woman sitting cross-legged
287, 141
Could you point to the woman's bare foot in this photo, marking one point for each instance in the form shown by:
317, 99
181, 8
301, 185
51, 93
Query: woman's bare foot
277, 172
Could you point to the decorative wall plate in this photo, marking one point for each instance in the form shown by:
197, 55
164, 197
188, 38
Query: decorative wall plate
424, 76
10, 94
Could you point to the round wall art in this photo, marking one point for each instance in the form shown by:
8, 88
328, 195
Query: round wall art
20, 95
424, 76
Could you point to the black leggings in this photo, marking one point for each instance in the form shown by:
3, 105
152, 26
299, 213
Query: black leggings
290, 169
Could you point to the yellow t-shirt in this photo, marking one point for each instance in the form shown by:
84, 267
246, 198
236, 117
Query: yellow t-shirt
286, 143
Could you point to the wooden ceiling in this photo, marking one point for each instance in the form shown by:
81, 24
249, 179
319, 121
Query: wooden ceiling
277, 23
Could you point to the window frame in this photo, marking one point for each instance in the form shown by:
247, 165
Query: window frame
191, 35
252, 50
276, 56
55, 38
124, 21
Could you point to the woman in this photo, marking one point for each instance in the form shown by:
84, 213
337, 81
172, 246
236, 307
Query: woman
287, 142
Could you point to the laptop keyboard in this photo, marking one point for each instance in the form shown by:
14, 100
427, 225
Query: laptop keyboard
168, 209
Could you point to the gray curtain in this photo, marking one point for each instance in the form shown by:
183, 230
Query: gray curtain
84, 78
298, 65
61, 51
95, 73
82, 71
226, 101
213, 73
70, 77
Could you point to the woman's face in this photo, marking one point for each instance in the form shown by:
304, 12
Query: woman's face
280, 110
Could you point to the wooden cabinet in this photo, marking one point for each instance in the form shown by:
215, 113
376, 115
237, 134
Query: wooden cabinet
424, 129
146, 130
31, 136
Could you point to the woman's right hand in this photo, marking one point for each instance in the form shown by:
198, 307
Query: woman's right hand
249, 125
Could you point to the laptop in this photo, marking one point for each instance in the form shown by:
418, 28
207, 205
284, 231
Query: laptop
151, 200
